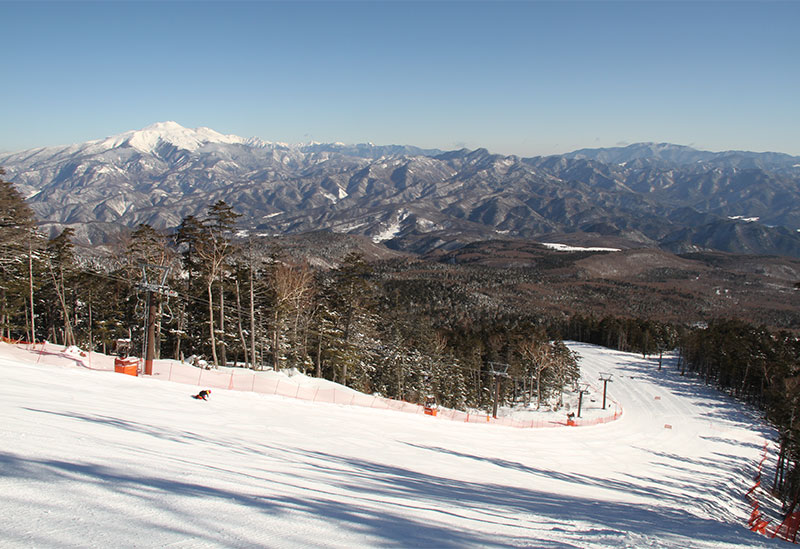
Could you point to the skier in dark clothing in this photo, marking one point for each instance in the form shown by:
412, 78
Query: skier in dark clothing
203, 395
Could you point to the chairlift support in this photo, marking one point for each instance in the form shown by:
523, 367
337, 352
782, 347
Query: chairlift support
605, 377
498, 370
160, 288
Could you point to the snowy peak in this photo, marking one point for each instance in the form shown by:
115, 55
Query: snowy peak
150, 139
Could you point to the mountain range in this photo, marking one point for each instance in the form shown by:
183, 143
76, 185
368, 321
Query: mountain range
418, 200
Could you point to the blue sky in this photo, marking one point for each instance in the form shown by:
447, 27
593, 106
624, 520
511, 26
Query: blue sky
522, 78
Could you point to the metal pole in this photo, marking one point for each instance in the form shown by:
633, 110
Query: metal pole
605, 378
144, 326
149, 341
498, 369
151, 335
496, 395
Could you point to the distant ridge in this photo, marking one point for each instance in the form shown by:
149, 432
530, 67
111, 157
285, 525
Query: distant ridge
417, 200
680, 154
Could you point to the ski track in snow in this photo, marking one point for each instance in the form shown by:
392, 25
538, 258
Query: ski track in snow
99, 459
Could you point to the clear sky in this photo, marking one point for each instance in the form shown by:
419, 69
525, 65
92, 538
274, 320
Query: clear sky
522, 78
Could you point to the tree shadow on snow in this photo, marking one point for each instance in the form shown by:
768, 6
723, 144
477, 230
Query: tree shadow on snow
373, 519
669, 488
510, 504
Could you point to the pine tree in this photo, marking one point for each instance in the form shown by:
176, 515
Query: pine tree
19, 253
187, 239
352, 296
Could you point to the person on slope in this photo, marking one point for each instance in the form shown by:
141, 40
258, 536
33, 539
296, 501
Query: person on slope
203, 395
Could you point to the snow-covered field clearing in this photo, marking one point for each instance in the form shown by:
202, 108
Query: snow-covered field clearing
99, 459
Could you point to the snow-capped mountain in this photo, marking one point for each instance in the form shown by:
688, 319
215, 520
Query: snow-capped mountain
415, 199
167, 134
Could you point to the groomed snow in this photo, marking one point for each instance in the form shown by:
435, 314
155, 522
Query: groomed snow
98, 459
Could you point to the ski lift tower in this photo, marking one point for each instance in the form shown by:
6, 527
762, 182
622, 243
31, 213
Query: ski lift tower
159, 289
499, 370
605, 378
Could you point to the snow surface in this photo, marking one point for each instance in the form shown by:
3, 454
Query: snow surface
92, 458
393, 229
744, 218
567, 248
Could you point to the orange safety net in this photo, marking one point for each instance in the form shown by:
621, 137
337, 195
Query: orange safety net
786, 530
249, 380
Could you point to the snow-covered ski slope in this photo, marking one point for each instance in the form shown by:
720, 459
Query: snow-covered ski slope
98, 459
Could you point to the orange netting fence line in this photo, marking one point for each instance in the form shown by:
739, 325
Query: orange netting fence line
249, 380
787, 529
241, 379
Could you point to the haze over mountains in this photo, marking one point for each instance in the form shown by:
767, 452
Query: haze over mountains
417, 200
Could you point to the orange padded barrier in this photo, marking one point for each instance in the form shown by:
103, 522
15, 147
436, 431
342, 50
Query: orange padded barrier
129, 366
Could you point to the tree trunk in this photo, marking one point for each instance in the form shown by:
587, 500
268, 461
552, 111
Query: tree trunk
538, 387
223, 353
319, 355
211, 322
239, 322
28, 336
30, 289
91, 334
252, 319
275, 341
744, 379
776, 487
68, 337
182, 313
3, 321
